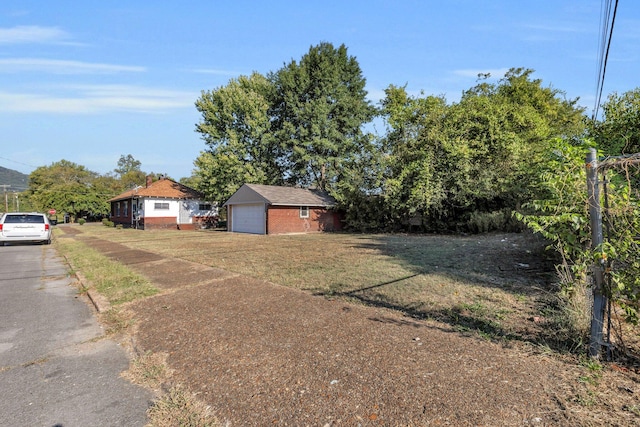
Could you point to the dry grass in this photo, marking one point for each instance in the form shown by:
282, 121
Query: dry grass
181, 408
176, 407
498, 285
149, 370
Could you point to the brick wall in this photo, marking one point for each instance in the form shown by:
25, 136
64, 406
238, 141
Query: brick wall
160, 223
122, 219
285, 219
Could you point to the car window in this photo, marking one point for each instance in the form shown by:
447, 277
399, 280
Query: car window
24, 219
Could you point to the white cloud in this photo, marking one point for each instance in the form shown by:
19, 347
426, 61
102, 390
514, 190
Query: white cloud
97, 99
56, 66
33, 34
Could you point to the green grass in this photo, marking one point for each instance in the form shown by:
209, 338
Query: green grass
111, 279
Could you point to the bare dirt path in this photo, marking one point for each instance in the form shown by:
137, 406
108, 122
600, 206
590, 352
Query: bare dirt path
263, 354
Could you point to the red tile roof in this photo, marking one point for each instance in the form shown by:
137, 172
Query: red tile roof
164, 188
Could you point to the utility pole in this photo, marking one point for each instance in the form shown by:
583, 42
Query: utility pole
6, 199
595, 217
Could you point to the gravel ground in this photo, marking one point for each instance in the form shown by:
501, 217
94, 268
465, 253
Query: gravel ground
263, 354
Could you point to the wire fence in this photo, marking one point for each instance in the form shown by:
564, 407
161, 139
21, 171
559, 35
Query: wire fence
620, 254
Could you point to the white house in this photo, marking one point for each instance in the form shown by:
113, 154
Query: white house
161, 205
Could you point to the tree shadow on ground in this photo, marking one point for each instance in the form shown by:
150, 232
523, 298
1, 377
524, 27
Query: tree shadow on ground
500, 260
550, 332
514, 263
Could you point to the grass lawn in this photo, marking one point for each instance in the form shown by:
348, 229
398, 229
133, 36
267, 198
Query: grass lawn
498, 285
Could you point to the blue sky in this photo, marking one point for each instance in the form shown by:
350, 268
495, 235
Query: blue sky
88, 81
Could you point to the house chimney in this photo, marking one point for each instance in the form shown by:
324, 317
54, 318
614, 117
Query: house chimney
149, 180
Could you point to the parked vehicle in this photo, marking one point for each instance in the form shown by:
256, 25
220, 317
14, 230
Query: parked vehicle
24, 227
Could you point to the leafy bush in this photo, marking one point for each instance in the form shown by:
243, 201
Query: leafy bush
561, 215
484, 222
81, 221
107, 223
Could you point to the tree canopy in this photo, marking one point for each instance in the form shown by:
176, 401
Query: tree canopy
319, 108
619, 131
296, 126
445, 162
237, 126
66, 187
71, 188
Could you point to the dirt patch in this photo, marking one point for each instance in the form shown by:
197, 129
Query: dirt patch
264, 354
173, 273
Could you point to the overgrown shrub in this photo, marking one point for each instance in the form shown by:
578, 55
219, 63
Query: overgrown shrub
107, 223
561, 215
81, 221
484, 222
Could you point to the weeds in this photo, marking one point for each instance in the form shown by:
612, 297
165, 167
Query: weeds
181, 408
149, 370
115, 321
111, 279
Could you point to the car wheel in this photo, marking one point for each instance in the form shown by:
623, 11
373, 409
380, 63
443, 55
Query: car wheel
47, 242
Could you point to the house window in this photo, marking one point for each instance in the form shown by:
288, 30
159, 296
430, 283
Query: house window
118, 209
304, 211
204, 207
126, 209
161, 206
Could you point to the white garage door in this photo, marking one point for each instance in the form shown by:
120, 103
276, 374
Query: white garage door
248, 219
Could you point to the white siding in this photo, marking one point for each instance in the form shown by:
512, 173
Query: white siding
151, 212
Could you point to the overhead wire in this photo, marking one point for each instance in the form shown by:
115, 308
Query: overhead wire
606, 32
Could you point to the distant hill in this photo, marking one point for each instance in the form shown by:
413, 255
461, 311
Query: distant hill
16, 180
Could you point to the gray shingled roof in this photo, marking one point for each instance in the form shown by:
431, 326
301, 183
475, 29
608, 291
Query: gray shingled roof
284, 196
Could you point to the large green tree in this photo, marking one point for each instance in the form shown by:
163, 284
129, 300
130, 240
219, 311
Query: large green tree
301, 125
319, 109
412, 187
236, 126
67, 187
129, 173
449, 162
498, 131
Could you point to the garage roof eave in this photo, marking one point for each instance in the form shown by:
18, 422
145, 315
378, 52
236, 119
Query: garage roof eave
280, 196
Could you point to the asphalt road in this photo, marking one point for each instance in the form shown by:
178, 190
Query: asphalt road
55, 370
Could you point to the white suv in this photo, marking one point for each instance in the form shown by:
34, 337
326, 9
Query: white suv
24, 227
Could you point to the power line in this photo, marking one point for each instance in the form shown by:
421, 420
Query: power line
606, 32
19, 163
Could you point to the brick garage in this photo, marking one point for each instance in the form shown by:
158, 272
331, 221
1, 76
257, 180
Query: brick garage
268, 209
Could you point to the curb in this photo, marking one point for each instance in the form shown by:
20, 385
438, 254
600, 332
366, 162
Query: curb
99, 302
